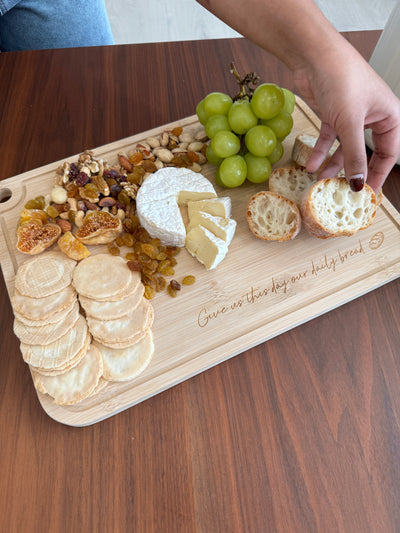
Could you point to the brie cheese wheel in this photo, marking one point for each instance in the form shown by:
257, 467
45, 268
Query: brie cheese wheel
206, 247
159, 198
219, 207
223, 228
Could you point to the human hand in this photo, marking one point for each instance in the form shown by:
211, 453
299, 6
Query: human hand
348, 98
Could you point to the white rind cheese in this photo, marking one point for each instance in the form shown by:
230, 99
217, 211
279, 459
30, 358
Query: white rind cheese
219, 207
159, 198
223, 228
206, 247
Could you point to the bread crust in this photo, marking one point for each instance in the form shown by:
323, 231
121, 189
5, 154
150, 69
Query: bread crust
313, 220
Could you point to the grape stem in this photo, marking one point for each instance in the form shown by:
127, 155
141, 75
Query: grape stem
244, 83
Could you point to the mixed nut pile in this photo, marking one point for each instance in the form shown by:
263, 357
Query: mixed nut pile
93, 202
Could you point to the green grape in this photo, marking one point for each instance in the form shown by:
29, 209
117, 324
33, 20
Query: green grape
277, 153
267, 100
215, 124
281, 124
241, 117
225, 144
212, 158
258, 168
260, 140
290, 101
233, 171
217, 104
218, 178
200, 112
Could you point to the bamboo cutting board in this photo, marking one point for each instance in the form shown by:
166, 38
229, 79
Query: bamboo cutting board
260, 289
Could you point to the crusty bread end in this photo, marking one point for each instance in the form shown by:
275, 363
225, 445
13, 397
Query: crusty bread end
272, 217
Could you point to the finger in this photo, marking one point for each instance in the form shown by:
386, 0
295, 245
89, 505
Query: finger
385, 155
354, 153
333, 166
324, 142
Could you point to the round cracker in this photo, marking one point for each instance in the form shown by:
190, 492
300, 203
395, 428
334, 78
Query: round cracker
52, 319
102, 276
43, 308
111, 310
76, 384
69, 364
48, 333
127, 363
59, 353
45, 274
125, 330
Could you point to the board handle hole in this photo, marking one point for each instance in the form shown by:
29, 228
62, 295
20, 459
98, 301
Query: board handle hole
5, 195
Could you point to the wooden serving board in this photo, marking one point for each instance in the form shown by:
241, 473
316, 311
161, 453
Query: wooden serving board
260, 289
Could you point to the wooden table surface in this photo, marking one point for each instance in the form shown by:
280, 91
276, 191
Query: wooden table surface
300, 434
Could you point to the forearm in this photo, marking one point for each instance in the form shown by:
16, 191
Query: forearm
294, 31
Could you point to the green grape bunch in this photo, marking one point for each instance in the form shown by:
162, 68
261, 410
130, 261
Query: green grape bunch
246, 131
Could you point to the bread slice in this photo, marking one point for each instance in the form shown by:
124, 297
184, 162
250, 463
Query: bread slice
291, 182
272, 217
329, 208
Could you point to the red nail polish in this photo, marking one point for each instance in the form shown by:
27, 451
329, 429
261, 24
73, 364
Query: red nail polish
356, 182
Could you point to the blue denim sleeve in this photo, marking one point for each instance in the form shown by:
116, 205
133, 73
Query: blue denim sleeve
41, 24
6, 5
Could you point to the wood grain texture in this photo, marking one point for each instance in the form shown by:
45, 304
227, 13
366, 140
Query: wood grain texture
298, 434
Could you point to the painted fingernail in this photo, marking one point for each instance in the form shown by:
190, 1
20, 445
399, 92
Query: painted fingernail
356, 182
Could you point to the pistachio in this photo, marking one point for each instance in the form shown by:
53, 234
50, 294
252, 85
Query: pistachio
164, 139
163, 154
79, 218
186, 137
153, 142
195, 146
195, 167
121, 214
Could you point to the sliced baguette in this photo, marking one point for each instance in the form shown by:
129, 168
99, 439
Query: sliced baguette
272, 217
291, 182
329, 208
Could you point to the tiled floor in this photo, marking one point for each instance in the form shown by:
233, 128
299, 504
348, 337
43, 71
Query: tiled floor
133, 21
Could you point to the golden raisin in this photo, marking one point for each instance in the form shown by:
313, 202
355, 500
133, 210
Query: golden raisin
113, 248
177, 131
160, 283
131, 256
148, 249
119, 241
188, 280
128, 239
52, 211
167, 271
171, 291
149, 292
135, 158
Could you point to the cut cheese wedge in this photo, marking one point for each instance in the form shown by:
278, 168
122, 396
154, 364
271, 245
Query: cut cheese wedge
223, 228
205, 246
219, 207
160, 196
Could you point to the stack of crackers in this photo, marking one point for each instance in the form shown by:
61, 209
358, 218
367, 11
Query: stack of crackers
72, 353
